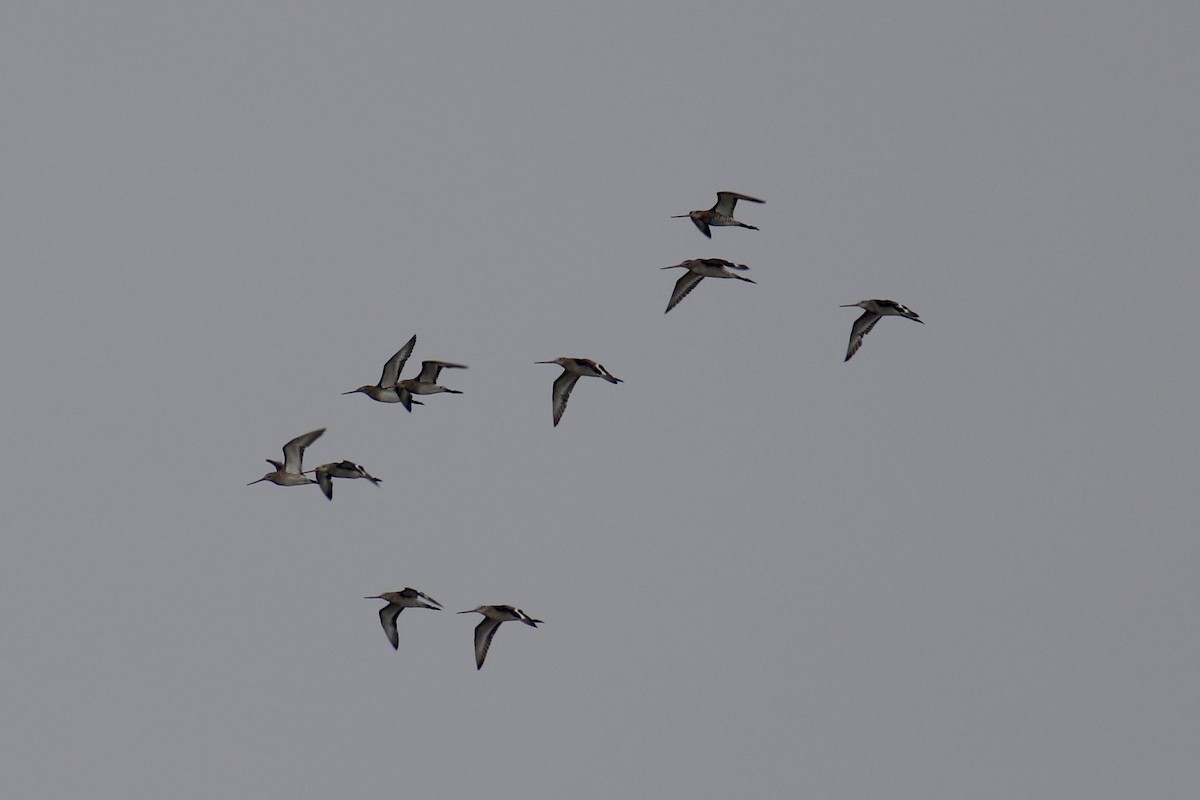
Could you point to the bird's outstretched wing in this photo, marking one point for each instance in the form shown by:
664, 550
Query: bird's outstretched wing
484, 632
387, 617
862, 326
562, 392
293, 451
727, 200
687, 281
391, 370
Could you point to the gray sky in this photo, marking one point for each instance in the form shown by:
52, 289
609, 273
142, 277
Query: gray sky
961, 565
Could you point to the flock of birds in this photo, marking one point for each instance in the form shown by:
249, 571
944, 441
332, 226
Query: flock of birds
392, 389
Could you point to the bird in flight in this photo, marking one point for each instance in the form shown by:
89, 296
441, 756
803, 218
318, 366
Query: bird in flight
573, 370
385, 391
697, 270
290, 472
493, 616
340, 469
873, 310
720, 214
397, 602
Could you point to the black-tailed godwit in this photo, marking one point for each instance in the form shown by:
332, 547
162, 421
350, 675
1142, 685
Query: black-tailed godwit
397, 602
291, 472
493, 616
573, 370
873, 310
720, 214
697, 270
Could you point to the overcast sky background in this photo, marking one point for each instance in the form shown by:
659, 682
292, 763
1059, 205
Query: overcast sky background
961, 565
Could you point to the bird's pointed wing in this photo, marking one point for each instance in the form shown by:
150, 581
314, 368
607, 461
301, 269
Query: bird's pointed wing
387, 617
431, 369
862, 326
391, 370
484, 632
325, 481
900, 310
608, 376
406, 400
293, 451
687, 281
562, 392
727, 200
528, 620
424, 596
703, 226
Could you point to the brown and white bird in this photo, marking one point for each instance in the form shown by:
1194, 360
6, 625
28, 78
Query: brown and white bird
493, 616
873, 310
397, 602
426, 382
340, 469
697, 270
720, 214
291, 471
385, 391
573, 370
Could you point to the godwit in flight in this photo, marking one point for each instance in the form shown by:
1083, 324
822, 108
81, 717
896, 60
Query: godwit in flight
385, 391
492, 617
721, 213
397, 602
426, 381
290, 472
697, 270
573, 370
340, 469
872, 311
